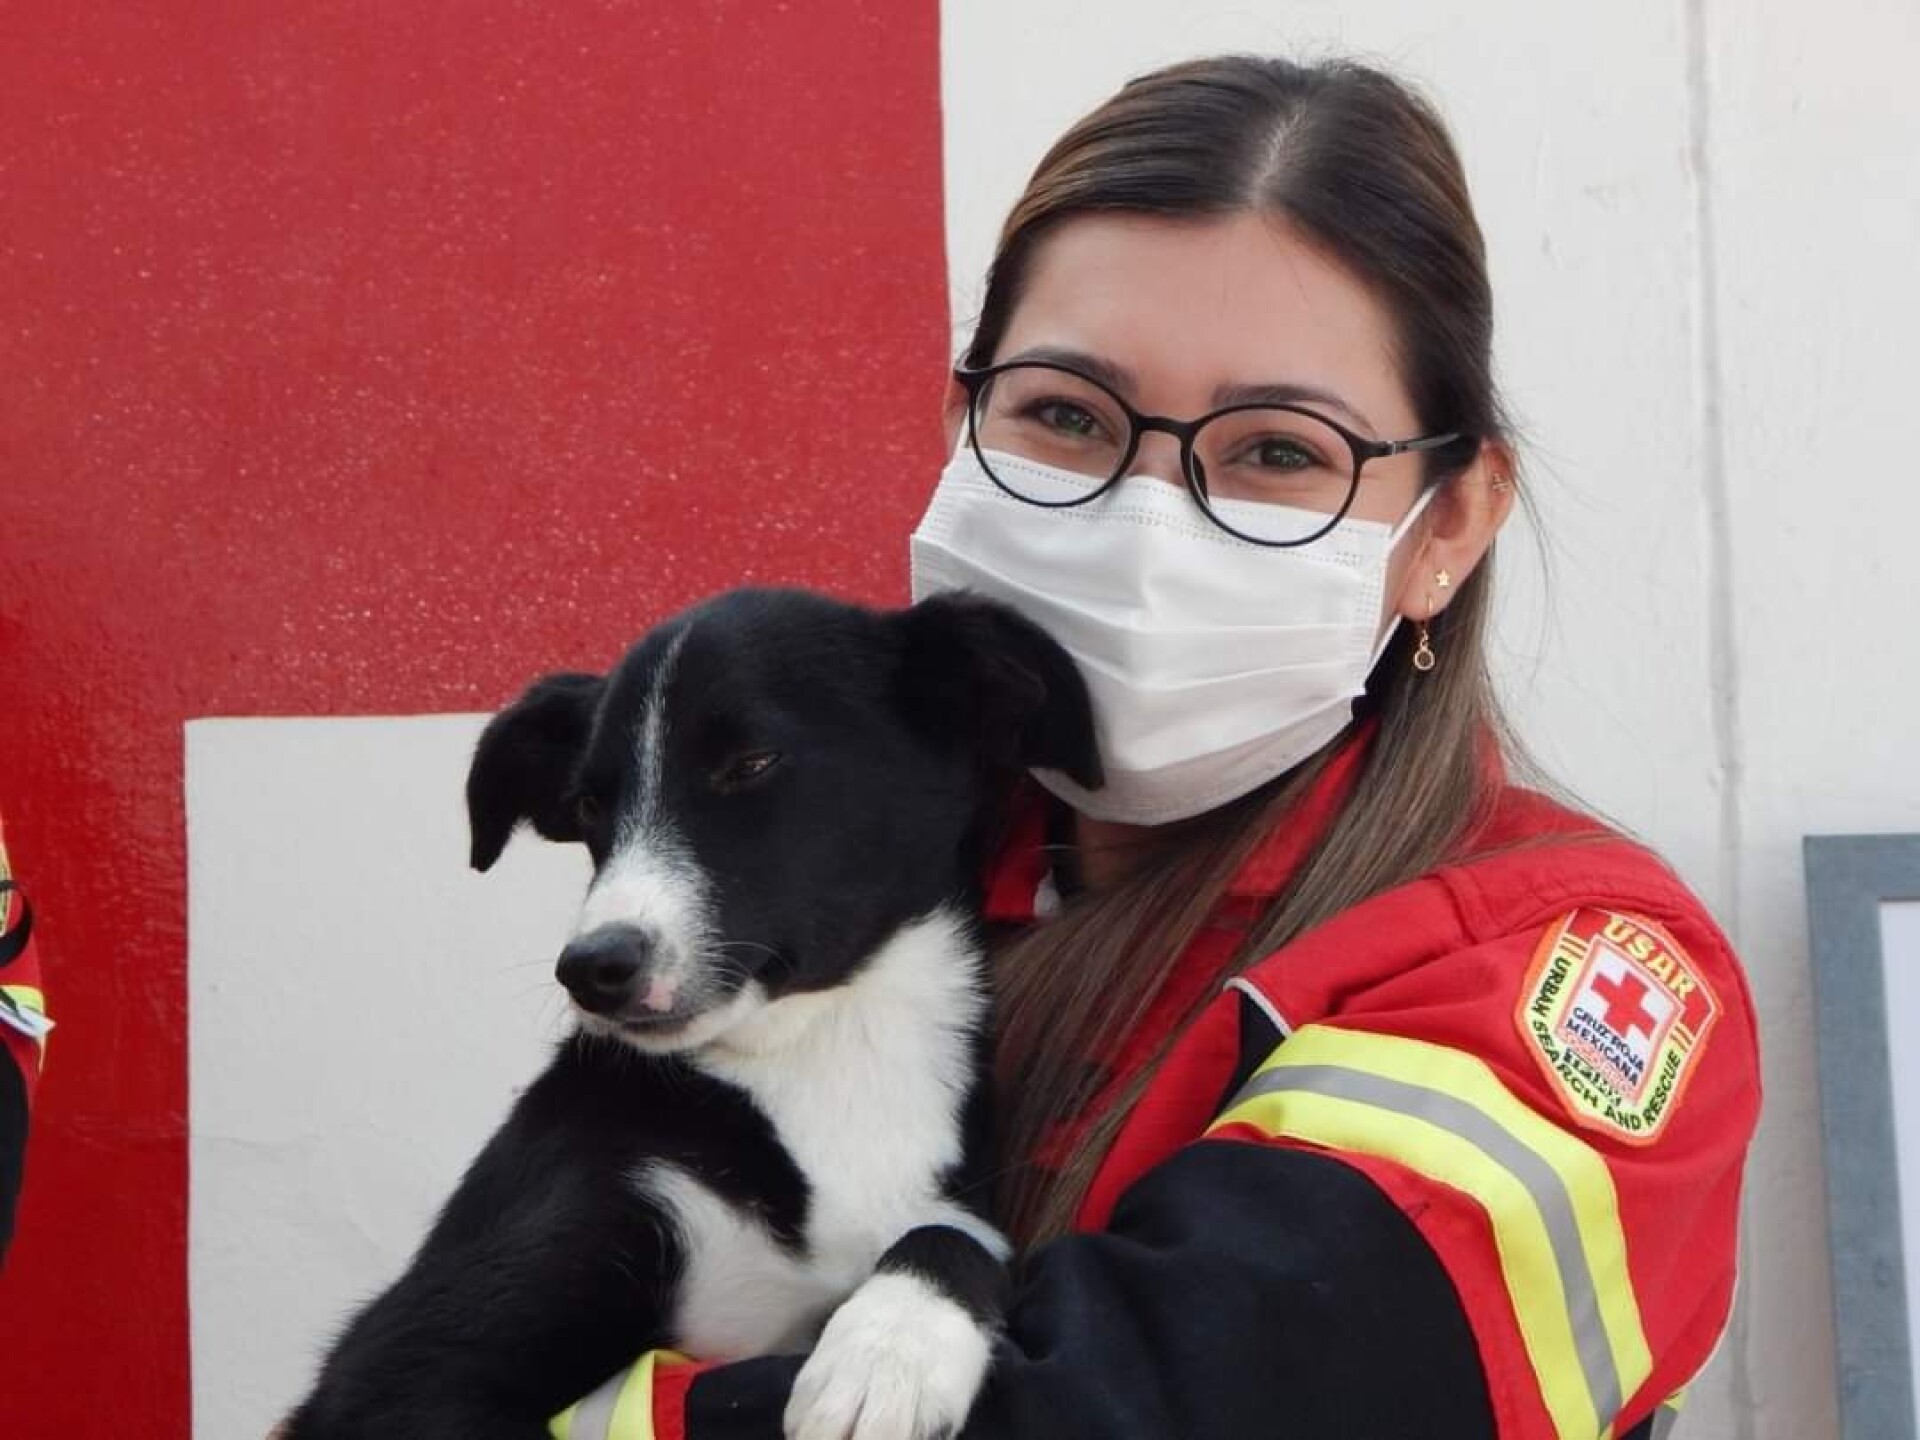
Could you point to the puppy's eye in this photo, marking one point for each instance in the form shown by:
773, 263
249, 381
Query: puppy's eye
587, 810
743, 770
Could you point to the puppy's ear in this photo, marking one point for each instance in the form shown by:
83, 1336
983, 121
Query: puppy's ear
524, 763
979, 673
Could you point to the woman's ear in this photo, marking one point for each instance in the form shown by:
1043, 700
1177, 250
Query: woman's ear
1459, 527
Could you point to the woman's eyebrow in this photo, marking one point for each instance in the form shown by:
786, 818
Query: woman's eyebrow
1115, 377
1228, 395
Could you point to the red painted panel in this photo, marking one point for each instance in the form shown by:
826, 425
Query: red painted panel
363, 357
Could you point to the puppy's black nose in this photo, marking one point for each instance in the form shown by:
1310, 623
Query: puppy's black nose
598, 968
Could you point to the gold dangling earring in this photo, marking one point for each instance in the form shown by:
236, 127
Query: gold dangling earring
1423, 657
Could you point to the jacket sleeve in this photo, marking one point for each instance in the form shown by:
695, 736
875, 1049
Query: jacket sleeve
23, 1027
1238, 1288
1564, 1113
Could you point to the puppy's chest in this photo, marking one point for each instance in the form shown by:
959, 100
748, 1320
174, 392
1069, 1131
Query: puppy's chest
872, 1159
874, 1141
867, 1101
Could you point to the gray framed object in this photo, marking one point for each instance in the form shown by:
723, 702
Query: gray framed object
1863, 912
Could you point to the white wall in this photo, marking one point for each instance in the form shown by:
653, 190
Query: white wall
1704, 224
361, 1008
1813, 179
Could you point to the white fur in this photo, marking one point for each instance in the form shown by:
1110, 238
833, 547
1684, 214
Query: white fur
651, 880
653, 733
898, 1361
864, 1085
698, 1031
742, 1292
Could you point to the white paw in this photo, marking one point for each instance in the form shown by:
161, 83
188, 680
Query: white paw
897, 1361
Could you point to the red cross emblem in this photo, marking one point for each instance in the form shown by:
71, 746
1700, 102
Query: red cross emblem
1625, 1014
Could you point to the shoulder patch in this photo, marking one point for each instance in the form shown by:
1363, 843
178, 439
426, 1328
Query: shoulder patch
1616, 1014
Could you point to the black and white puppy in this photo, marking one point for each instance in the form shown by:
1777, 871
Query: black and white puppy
775, 1099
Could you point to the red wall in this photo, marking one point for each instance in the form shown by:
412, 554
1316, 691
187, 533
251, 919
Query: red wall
369, 357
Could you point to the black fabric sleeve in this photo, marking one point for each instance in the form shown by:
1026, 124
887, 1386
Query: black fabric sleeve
13, 1143
1242, 1290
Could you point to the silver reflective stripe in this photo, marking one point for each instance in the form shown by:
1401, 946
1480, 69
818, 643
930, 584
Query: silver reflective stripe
1540, 1180
593, 1417
1664, 1420
1253, 992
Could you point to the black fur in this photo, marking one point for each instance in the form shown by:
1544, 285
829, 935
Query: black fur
951, 1263
544, 1274
897, 736
525, 761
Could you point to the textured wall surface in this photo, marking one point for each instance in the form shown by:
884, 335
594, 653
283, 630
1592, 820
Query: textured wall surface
363, 360
360, 358
1812, 185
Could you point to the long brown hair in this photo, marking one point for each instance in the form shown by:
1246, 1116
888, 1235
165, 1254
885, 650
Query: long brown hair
1363, 167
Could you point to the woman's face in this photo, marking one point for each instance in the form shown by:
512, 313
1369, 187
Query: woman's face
1178, 313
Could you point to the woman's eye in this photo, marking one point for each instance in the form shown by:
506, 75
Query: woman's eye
1069, 419
745, 769
1283, 454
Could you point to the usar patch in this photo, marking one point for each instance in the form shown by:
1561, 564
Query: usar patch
1616, 1014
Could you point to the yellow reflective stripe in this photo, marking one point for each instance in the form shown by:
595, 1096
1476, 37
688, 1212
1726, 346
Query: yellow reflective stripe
633, 1410
621, 1409
1526, 1257
31, 997
1549, 1196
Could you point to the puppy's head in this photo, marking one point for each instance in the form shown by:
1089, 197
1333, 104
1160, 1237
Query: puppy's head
770, 785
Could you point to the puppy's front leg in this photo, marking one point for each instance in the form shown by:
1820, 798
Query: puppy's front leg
905, 1355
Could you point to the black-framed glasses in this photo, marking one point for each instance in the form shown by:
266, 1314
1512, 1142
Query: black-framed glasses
1278, 475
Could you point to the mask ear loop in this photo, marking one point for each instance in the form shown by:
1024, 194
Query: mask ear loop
1393, 540
1407, 521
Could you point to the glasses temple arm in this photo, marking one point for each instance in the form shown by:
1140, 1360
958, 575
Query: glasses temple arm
1425, 442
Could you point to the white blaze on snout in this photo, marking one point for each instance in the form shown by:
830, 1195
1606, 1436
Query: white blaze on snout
650, 880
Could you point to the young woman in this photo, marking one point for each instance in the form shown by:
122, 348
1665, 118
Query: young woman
1348, 1089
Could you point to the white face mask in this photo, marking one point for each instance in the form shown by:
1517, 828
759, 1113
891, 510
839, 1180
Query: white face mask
1215, 664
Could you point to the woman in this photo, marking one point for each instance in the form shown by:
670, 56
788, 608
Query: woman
1347, 1088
